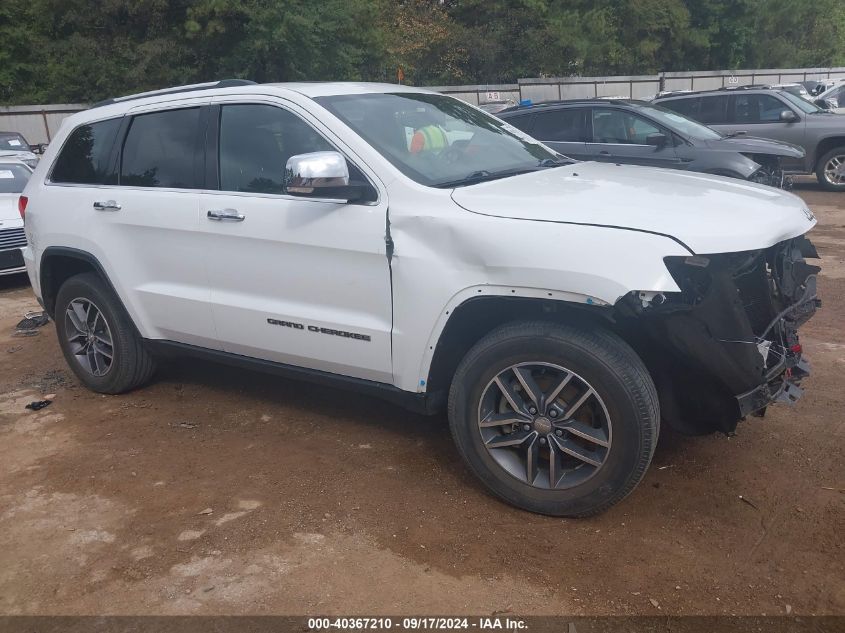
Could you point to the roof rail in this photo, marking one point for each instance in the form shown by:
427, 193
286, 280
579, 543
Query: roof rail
558, 102
223, 83
748, 87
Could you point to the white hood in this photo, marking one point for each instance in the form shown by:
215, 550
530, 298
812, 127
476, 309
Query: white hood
709, 214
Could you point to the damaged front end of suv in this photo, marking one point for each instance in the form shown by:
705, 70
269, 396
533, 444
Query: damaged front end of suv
726, 346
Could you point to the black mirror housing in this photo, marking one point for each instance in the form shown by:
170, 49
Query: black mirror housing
657, 140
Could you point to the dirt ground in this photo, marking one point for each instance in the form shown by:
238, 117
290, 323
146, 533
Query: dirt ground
219, 491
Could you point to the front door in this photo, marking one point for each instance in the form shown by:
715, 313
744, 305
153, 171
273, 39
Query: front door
295, 281
621, 136
759, 115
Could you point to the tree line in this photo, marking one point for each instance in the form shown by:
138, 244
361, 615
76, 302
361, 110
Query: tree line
83, 50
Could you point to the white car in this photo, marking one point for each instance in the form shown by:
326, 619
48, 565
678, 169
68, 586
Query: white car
13, 178
404, 243
834, 97
13, 146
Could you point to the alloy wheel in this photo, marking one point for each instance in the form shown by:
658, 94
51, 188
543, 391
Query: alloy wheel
834, 170
89, 336
544, 425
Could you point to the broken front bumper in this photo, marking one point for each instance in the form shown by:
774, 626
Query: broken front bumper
727, 345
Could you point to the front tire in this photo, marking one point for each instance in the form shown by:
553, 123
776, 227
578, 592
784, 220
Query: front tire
831, 170
555, 419
97, 338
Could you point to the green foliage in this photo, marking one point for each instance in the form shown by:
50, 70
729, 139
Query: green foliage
84, 50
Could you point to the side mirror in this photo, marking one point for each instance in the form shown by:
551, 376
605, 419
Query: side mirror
38, 148
788, 115
657, 140
320, 175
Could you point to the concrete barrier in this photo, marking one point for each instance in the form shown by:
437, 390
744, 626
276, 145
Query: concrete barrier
39, 123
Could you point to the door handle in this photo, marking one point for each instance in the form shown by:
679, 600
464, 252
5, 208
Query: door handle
226, 215
604, 153
108, 205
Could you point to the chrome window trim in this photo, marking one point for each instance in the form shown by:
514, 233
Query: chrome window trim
223, 101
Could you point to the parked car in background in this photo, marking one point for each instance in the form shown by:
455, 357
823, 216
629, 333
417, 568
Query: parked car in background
794, 88
639, 133
13, 178
833, 98
13, 146
774, 114
817, 86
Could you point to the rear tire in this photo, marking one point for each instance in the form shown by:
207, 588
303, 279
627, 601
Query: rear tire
97, 337
830, 171
612, 430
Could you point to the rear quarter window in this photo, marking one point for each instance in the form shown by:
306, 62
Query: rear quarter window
85, 156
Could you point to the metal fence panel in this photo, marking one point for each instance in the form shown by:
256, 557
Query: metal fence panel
39, 124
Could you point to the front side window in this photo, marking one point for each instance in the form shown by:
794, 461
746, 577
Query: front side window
84, 158
560, 125
256, 142
757, 108
621, 127
437, 140
13, 177
160, 149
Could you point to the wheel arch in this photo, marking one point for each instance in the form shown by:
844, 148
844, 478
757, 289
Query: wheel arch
60, 263
476, 316
824, 146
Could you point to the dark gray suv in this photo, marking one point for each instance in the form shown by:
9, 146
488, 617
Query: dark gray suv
775, 114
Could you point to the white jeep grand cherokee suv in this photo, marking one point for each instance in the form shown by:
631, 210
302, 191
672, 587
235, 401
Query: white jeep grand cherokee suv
405, 243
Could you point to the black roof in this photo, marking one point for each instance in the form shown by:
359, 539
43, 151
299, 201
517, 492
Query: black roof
223, 83
567, 102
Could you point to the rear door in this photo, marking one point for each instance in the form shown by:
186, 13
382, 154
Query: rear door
297, 281
621, 136
758, 115
150, 221
129, 186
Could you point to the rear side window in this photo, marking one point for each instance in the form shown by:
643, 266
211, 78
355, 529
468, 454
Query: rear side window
713, 110
560, 125
687, 107
160, 150
84, 158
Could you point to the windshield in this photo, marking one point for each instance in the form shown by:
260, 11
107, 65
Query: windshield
681, 124
13, 177
14, 142
440, 141
804, 105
